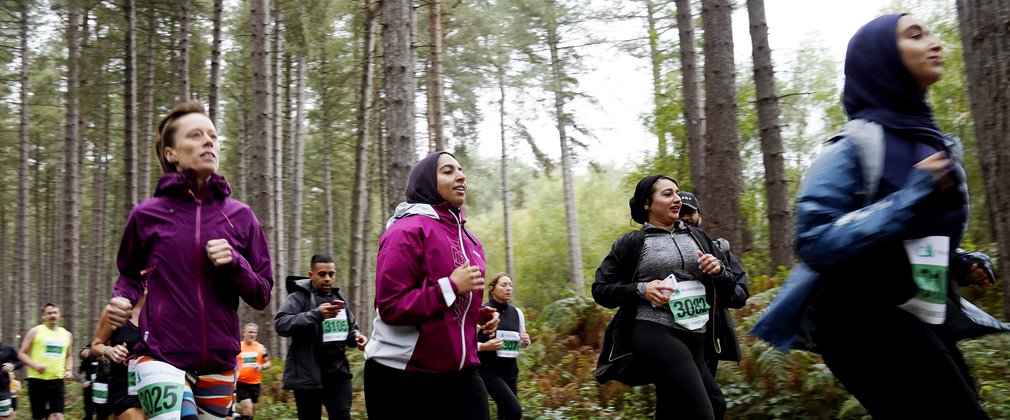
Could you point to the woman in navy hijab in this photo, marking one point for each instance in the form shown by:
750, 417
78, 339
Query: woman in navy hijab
885, 243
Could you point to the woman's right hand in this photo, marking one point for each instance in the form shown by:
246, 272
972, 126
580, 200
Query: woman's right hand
939, 166
493, 344
467, 278
654, 293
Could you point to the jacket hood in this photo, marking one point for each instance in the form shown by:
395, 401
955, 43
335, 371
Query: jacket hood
178, 183
293, 283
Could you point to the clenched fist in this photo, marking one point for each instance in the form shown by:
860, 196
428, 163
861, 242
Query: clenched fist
219, 251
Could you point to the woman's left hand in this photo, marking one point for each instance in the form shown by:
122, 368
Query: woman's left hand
219, 251
524, 339
709, 264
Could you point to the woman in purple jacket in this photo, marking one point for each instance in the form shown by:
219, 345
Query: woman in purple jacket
428, 282
198, 251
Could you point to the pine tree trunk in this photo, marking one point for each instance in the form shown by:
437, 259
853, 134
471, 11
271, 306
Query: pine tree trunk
298, 159
436, 88
183, 49
147, 126
215, 63
505, 202
575, 275
986, 40
359, 195
242, 149
722, 154
656, 60
277, 160
130, 103
22, 267
98, 216
260, 164
398, 69
694, 113
776, 184
70, 231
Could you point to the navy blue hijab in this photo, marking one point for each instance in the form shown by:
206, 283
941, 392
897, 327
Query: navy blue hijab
878, 85
422, 186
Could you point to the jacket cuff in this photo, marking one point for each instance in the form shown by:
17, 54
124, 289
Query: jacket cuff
448, 290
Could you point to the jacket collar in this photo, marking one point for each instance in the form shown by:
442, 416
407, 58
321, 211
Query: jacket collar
181, 183
442, 212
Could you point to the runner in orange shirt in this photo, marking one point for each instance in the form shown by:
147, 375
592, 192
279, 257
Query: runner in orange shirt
252, 361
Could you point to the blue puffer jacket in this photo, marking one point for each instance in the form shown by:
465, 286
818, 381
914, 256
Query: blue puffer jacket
848, 231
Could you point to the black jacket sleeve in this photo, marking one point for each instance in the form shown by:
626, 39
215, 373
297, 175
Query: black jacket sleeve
614, 283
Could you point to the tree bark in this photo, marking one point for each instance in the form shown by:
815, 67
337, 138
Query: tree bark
722, 154
776, 184
694, 113
71, 200
505, 202
298, 160
147, 126
277, 160
398, 64
215, 62
575, 275
436, 88
260, 159
183, 49
359, 194
985, 37
130, 103
22, 268
655, 61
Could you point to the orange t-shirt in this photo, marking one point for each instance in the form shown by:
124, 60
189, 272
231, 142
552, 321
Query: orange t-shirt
251, 355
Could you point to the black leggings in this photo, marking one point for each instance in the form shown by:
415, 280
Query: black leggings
505, 394
335, 395
899, 367
674, 360
396, 394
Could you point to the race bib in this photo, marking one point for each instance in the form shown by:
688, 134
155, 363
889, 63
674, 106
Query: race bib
510, 344
336, 328
689, 306
54, 349
131, 377
5, 408
929, 258
249, 359
159, 388
99, 393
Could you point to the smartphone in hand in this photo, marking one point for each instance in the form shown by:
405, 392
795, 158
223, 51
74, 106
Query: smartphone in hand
338, 303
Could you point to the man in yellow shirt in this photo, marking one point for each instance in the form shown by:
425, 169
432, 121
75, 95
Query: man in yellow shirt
252, 361
46, 351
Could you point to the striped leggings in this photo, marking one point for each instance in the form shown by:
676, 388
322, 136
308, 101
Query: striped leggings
168, 393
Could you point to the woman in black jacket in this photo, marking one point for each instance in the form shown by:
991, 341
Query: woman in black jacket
667, 283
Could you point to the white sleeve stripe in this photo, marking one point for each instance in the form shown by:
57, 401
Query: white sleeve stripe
522, 321
447, 292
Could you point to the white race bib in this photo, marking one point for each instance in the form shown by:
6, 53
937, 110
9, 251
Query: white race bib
159, 388
53, 349
131, 377
510, 344
689, 305
336, 328
5, 408
929, 258
99, 393
249, 359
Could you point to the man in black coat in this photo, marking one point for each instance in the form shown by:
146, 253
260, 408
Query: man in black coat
320, 324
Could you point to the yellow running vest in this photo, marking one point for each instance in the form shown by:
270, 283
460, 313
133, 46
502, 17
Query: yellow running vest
50, 349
